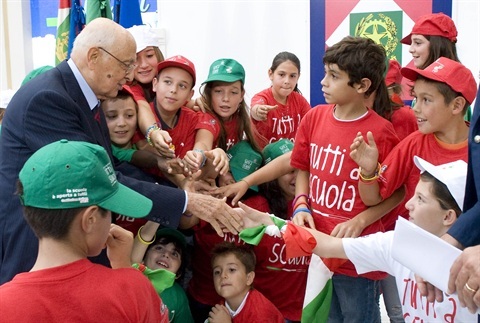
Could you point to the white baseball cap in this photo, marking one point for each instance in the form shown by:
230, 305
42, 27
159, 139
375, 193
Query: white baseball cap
453, 175
144, 36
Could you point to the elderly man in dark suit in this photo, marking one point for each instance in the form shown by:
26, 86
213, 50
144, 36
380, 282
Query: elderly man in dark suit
62, 104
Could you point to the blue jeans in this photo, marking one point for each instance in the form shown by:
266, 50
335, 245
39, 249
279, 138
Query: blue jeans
391, 299
354, 300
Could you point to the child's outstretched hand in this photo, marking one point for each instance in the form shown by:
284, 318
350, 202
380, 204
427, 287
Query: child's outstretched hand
197, 104
162, 142
364, 153
237, 190
219, 314
251, 217
219, 160
194, 159
303, 218
260, 112
119, 247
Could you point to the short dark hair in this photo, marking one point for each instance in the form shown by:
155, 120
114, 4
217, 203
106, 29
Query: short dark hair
243, 253
51, 223
124, 95
283, 57
441, 192
362, 58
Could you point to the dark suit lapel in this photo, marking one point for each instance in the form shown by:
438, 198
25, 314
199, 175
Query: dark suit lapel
99, 129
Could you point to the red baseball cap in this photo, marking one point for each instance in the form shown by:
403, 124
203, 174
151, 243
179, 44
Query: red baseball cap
453, 73
393, 73
435, 24
178, 61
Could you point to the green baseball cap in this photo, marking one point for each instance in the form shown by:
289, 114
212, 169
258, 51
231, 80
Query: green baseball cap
244, 160
226, 70
36, 72
173, 234
71, 174
276, 149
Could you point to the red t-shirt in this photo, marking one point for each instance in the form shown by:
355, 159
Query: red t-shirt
273, 267
398, 168
258, 309
404, 122
81, 292
322, 148
212, 124
282, 122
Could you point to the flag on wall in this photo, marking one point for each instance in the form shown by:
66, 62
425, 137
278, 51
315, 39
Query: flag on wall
63, 30
98, 8
70, 22
127, 13
77, 22
386, 22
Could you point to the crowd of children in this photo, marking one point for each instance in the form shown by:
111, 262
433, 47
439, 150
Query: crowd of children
335, 172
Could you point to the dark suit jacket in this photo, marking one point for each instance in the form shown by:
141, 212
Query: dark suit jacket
467, 228
49, 108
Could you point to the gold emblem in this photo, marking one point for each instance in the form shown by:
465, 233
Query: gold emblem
382, 31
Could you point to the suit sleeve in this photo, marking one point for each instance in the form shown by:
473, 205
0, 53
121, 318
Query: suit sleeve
52, 117
466, 229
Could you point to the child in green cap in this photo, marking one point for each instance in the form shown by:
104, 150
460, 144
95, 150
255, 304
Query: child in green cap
161, 255
69, 191
227, 121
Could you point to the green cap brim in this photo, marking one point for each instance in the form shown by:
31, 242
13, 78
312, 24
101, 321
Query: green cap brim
127, 202
224, 78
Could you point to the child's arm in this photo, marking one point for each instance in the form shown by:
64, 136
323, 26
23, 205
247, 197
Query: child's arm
260, 112
327, 246
196, 104
354, 227
160, 139
219, 160
148, 159
273, 170
195, 159
366, 156
145, 234
301, 212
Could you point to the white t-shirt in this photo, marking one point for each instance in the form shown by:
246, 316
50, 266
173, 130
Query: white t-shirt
373, 252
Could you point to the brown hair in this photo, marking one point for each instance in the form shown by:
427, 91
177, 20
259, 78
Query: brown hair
440, 46
243, 253
51, 223
283, 57
362, 58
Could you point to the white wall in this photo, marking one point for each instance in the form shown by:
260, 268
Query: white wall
251, 31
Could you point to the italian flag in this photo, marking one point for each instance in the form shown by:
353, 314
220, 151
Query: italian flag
318, 294
63, 30
300, 242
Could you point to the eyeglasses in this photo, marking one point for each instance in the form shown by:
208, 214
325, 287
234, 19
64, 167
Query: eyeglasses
128, 67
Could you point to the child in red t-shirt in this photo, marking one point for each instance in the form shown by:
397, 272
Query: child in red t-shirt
444, 90
233, 274
327, 197
226, 121
276, 112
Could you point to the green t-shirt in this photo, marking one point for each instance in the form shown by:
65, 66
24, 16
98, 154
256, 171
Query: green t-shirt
177, 303
123, 154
